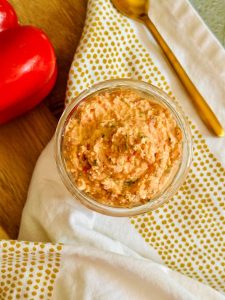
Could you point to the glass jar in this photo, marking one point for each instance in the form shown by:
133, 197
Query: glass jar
168, 191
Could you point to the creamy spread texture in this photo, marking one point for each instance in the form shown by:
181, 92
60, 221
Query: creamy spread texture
121, 147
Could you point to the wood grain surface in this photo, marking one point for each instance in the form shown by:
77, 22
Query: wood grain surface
22, 140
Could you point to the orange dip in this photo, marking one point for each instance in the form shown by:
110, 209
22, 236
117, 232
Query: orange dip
121, 147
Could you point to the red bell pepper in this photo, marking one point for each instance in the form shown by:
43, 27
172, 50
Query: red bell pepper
8, 17
27, 68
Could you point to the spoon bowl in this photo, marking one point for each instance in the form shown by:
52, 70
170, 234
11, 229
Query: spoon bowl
135, 9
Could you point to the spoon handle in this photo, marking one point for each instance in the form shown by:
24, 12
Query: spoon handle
205, 112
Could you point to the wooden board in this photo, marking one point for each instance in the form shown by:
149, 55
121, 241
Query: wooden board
22, 140
3, 234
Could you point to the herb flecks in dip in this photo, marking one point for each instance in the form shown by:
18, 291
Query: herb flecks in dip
121, 147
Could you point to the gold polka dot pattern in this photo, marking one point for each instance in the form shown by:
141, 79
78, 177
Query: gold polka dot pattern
28, 270
188, 232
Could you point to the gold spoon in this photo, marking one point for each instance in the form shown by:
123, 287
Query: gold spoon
138, 10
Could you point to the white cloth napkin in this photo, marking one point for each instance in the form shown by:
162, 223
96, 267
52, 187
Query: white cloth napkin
123, 258
31, 270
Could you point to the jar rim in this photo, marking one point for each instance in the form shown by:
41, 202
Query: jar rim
178, 178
